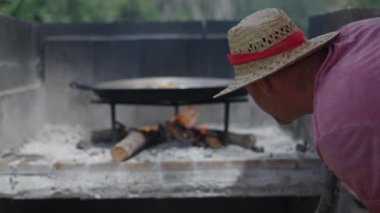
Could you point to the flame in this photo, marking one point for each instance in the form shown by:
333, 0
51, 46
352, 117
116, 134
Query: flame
202, 129
148, 129
187, 117
182, 125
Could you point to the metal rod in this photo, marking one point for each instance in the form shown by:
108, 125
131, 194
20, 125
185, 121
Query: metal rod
329, 197
176, 109
171, 103
113, 115
113, 121
226, 116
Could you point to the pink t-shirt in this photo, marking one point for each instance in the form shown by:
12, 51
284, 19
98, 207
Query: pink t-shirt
346, 119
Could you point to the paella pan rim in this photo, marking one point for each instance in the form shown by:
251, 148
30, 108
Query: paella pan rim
157, 89
164, 83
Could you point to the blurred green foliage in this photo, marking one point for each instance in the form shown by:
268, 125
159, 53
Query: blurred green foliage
364, 3
165, 10
79, 10
298, 10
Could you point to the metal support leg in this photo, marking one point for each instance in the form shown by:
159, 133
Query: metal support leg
113, 121
226, 117
328, 199
113, 116
176, 109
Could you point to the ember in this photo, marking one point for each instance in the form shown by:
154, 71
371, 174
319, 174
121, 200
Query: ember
182, 128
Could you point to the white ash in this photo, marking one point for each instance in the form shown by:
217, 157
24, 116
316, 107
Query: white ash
230, 152
58, 143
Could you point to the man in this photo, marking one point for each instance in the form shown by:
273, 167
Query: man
336, 77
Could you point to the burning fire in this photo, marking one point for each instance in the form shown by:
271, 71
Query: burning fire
182, 127
148, 129
187, 117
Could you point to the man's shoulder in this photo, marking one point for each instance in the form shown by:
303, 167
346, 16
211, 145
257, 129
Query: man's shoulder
356, 47
347, 86
365, 23
347, 97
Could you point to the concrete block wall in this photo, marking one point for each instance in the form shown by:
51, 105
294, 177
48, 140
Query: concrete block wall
21, 96
329, 22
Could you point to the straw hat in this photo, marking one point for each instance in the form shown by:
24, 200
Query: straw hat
265, 42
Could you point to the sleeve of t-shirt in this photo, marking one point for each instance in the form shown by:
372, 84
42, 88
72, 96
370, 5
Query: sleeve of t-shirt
353, 154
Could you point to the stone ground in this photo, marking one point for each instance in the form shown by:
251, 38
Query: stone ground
50, 166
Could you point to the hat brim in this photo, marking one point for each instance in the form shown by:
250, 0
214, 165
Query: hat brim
253, 71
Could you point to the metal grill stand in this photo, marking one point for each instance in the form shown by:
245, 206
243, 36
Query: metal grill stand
176, 104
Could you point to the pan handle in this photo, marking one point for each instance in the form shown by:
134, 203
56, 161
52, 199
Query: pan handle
77, 85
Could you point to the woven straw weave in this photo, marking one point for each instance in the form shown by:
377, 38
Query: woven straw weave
258, 32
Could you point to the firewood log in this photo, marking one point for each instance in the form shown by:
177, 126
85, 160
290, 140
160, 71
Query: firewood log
247, 141
243, 140
213, 142
131, 144
105, 135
